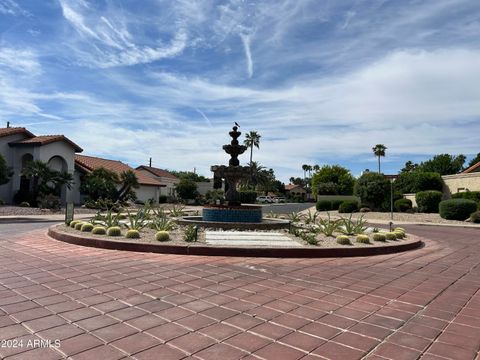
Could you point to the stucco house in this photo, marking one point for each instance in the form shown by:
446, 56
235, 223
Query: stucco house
293, 190
167, 179
19, 146
468, 180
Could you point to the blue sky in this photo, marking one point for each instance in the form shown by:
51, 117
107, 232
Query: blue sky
322, 81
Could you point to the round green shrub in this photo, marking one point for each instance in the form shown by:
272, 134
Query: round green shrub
415, 181
400, 231
114, 231
402, 205
24, 204
399, 234
390, 236
428, 201
162, 236
470, 195
363, 239
457, 209
348, 206
336, 204
78, 226
86, 227
372, 188
379, 237
73, 223
324, 205
132, 234
399, 228
99, 230
343, 240
475, 217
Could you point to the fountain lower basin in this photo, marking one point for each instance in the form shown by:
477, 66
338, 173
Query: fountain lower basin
235, 214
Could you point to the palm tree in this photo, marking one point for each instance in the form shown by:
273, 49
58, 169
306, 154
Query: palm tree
252, 139
129, 181
379, 151
316, 167
305, 169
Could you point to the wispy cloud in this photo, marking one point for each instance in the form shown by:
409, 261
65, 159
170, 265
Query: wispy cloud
10, 7
248, 54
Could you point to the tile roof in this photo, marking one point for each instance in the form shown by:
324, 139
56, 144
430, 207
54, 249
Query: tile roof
292, 186
157, 172
90, 163
46, 139
472, 168
15, 130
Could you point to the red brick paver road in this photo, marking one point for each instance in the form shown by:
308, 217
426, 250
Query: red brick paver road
59, 300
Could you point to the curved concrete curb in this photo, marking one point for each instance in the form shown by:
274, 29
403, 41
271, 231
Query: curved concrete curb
231, 251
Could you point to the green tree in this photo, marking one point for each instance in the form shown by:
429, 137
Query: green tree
333, 180
100, 183
128, 181
373, 189
379, 151
444, 164
305, 169
297, 181
5, 171
409, 167
186, 189
188, 175
252, 139
475, 160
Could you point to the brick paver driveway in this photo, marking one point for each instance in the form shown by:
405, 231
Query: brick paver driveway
89, 303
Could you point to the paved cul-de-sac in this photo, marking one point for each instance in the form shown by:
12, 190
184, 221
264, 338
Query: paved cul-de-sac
66, 301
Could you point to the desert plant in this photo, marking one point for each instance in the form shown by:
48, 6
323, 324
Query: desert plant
99, 230
343, 240
73, 223
132, 234
137, 221
428, 201
114, 231
311, 218
294, 217
162, 224
475, 217
86, 227
363, 239
402, 205
328, 226
399, 228
109, 219
379, 237
309, 238
390, 236
375, 230
24, 204
273, 215
177, 211
190, 233
399, 234
162, 236
348, 206
457, 209
78, 225
324, 205
349, 227
49, 201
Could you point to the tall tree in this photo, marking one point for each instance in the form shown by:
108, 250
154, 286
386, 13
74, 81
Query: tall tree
316, 167
129, 182
475, 160
305, 169
252, 139
444, 164
379, 151
5, 171
409, 167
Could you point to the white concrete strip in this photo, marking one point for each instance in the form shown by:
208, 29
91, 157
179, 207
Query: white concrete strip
254, 243
249, 238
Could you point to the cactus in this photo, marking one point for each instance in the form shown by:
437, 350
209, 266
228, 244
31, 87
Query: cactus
73, 223
363, 239
399, 228
390, 236
78, 226
132, 234
379, 237
114, 231
162, 236
343, 240
399, 234
99, 230
86, 227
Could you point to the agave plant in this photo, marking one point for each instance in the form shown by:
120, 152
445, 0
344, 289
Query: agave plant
294, 217
177, 211
137, 221
273, 215
109, 219
159, 212
350, 227
311, 218
328, 226
162, 224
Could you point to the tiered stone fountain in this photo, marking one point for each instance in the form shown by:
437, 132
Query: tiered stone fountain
233, 214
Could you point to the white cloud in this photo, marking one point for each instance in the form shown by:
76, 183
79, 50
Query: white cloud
248, 55
10, 7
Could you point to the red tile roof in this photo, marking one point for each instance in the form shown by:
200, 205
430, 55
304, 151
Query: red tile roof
15, 130
472, 168
90, 163
157, 172
46, 139
292, 186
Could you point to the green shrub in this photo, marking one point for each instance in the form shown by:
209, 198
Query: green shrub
363, 239
475, 217
132, 234
162, 199
457, 209
390, 236
162, 236
402, 205
24, 204
348, 206
379, 237
343, 240
399, 234
99, 230
73, 223
469, 195
49, 201
324, 205
428, 201
247, 196
78, 226
86, 227
114, 231
416, 181
336, 204
190, 233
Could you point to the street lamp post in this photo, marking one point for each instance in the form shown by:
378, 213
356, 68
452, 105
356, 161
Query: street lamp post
391, 199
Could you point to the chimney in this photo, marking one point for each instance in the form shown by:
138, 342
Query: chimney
150, 162
8, 124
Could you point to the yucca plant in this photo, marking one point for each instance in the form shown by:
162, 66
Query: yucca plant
350, 227
273, 215
177, 211
328, 226
137, 221
190, 233
294, 216
162, 224
311, 218
109, 219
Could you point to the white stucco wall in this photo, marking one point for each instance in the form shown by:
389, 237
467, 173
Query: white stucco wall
460, 182
146, 192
